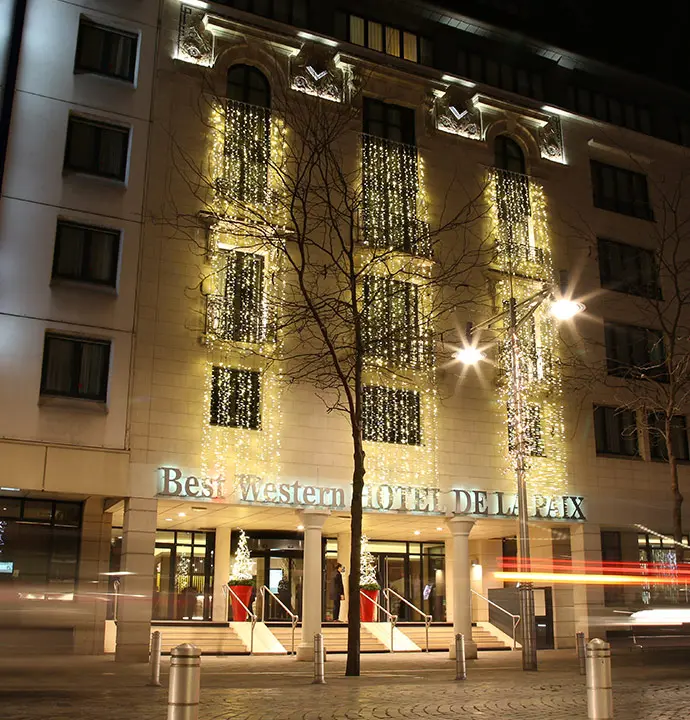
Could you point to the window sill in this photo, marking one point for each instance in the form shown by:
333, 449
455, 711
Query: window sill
615, 456
92, 406
68, 283
125, 82
83, 175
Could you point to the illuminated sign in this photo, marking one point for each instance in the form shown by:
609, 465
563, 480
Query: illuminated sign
173, 484
6, 568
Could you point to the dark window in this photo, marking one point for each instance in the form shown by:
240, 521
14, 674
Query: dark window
237, 313
389, 121
392, 324
657, 440
610, 109
615, 431
619, 190
628, 269
508, 155
292, 12
534, 442
75, 367
248, 85
236, 398
96, 148
506, 76
86, 254
636, 352
106, 51
612, 553
391, 416
40, 546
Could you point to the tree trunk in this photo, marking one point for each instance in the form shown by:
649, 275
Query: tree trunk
353, 622
677, 496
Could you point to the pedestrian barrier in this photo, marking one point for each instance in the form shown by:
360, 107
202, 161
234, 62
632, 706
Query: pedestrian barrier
155, 660
460, 664
319, 668
599, 691
185, 681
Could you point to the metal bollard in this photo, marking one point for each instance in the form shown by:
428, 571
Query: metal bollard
185, 680
599, 693
581, 651
155, 661
460, 664
319, 669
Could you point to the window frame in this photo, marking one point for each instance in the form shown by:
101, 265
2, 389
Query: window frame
516, 79
79, 341
641, 209
108, 32
111, 282
618, 367
657, 449
636, 253
103, 127
616, 414
255, 414
384, 35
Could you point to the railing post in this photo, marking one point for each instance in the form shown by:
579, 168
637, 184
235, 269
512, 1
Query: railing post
319, 669
390, 619
460, 664
581, 651
599, 692
427, 622
185, 681
155, 660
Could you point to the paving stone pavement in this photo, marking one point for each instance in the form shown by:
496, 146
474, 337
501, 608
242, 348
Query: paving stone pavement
400, 686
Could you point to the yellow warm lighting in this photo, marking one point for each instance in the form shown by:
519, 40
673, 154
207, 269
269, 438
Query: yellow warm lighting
564, 309
469, 355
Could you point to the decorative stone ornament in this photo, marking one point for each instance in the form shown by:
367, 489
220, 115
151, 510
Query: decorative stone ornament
315, 71
194, 43
455, 114
550, 140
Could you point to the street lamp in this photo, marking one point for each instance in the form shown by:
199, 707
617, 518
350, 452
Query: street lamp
562, 308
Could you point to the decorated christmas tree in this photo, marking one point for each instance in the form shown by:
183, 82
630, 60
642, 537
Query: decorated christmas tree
242, 566
367, 578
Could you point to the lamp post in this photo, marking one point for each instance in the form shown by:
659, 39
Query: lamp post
562, 309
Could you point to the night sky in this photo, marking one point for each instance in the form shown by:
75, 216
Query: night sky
652, 40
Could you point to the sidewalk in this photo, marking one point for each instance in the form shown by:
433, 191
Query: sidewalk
391, 686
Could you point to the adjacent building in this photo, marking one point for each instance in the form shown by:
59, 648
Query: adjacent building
147, 418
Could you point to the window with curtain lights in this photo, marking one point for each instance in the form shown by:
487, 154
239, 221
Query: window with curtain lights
235, 398
391, 415
393, 326
238, 312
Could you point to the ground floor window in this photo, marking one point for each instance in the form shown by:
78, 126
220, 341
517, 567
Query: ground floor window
662, 552
39, 547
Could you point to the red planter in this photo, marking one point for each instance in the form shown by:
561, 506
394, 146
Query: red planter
367, 609
244, 593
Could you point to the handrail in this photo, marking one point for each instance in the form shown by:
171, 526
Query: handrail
392, 619
427, 618
293, 616
116, 599
227, 590
515, 618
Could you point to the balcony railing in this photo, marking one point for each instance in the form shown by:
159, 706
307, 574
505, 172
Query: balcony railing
390, 184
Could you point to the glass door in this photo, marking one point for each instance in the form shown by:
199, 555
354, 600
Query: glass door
282, 574
162, 582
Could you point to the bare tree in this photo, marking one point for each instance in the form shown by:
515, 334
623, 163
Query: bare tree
364, 275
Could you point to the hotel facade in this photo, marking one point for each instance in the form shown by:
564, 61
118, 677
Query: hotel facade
147, 415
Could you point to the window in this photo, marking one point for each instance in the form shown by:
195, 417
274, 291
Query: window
238, 312
391, 416
96, 148
657, 440
512, 189
86, 254
628, 269
40, 541
615, 431
506, 75
633, 351
621, 191
236, 398
388, 121
610, 109
106, 51
248, 85
654, 548
75, 367
383, 38
391, 327
291, 12
534, 443
508, 155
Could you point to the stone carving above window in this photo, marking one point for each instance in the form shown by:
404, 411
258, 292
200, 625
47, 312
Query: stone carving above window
194, 43
550, 140
317, 71
456, 114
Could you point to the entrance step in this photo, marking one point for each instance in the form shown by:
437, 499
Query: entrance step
218, 638
334, 637
441, 636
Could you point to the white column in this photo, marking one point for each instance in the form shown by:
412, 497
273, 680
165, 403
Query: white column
136, 588
344, 547
221, 574
312, 573
460, 580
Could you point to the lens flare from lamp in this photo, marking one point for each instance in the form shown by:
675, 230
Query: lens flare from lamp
564, 309
469, 355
